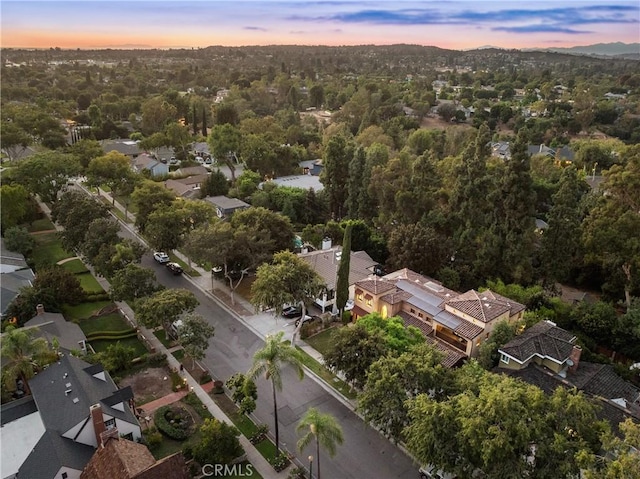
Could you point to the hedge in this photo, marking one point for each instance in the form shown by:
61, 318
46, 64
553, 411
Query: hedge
166, 427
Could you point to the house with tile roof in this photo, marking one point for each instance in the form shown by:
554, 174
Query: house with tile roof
326, 263
54, 433
454, 323
121, 458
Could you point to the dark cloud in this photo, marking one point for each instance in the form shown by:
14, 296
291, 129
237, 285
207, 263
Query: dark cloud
540, 29
559, 19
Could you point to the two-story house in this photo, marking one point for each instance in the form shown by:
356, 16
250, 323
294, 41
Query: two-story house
455, 323
326, 263
55, 432
548, 357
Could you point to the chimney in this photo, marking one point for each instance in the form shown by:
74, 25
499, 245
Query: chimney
108, 434
576, 352
40, 309
98, 422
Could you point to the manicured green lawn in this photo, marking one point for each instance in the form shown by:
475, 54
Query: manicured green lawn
48, 249
109, 322
102, 344
330, 378
321, 341
76, 266
43, 224
83, 310
161, 334
179, 354
89, 283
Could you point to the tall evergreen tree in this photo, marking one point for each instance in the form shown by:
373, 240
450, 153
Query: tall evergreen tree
561, 240
515, 217
195, 121
470, 209
342, 284
357, 189
204, 122
335, 174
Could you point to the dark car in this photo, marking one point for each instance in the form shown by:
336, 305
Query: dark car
291, 312
175, 268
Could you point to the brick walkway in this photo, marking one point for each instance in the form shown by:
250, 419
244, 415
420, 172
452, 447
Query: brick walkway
163, 401
170, 399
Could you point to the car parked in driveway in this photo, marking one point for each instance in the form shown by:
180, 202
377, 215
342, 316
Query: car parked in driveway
175, 268
430, 472
161, 257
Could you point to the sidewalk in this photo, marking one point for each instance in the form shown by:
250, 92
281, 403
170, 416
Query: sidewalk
262, 324
253, 456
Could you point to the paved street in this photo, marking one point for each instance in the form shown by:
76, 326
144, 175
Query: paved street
364, 454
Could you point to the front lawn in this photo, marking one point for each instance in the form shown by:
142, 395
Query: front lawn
100, 345
76, 266
322, 341
43, 224
48, 250
89, 283
83, 310
108, 322
328, 377
161, 334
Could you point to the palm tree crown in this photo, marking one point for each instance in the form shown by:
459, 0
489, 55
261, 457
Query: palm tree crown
270, 359
23, 355
321, 428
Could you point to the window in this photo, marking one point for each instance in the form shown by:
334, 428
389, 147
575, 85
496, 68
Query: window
109, 423
370, 302
359, 296
504, 358
413, 311
420, 315
128, 436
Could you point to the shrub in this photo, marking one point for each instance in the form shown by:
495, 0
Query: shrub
152, 437
260, 434
177, 381
280, 462
219, 443
205, 378
174, 422
157, 359
298, 473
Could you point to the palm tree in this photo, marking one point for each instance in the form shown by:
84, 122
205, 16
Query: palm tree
323, 428
269, 361
23, 355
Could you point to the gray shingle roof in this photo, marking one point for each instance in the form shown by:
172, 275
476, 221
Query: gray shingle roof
327, 262
53, 452
544, 339
10, 284
50, 325
58, 410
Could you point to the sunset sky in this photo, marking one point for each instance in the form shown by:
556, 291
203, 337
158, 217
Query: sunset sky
447, 24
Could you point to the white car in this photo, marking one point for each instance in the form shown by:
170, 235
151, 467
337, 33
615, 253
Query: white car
161, 257
349, 305
430, 472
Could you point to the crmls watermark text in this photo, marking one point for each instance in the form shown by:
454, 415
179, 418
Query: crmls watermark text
226, 470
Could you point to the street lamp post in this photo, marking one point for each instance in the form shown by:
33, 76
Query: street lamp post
310, 467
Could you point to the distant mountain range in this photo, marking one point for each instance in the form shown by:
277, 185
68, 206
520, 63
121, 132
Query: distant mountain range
606, 49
